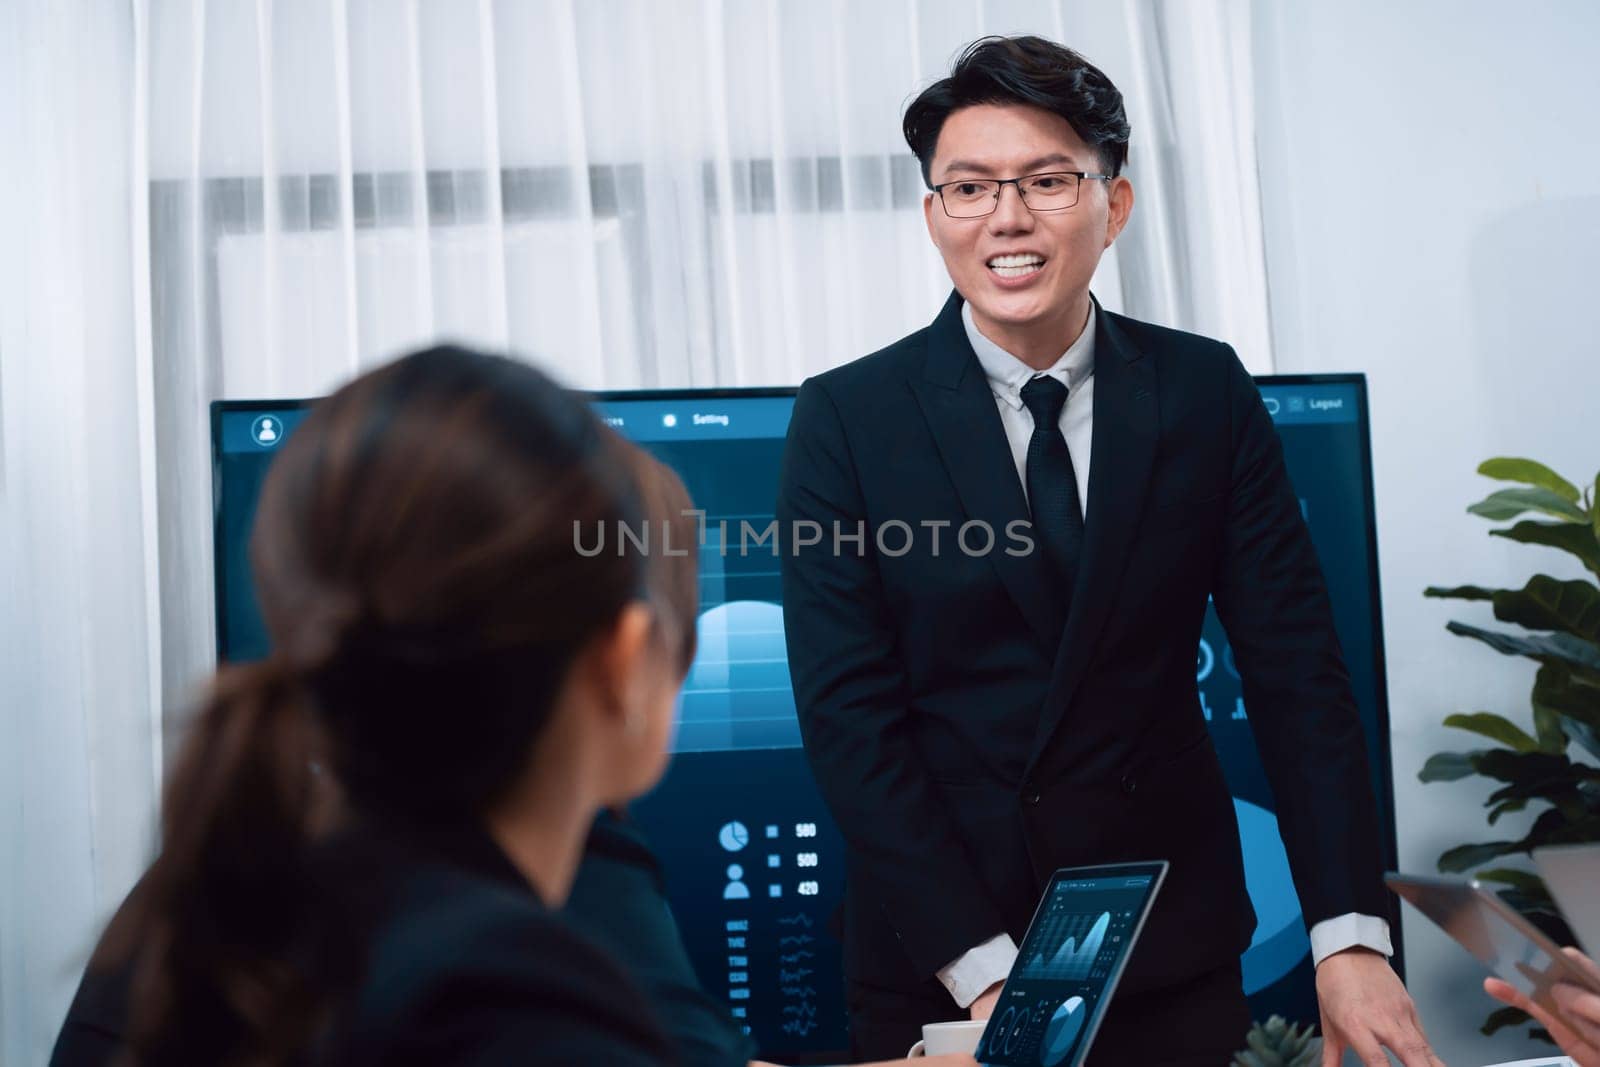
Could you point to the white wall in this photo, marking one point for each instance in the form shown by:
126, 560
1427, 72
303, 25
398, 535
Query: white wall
1431, 183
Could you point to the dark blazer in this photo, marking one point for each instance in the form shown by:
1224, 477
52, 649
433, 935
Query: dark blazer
458, 963
971, 735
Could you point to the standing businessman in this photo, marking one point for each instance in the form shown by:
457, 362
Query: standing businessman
997, 679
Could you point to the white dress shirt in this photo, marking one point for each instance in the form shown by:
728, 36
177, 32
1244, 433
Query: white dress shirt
981, 967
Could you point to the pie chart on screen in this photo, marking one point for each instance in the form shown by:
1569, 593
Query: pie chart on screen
1062, 1032
734, 836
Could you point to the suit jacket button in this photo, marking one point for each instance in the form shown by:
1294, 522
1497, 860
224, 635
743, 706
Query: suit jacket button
1128, 784
1032, 798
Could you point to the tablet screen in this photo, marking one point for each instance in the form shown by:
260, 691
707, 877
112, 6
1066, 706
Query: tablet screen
1074, 952
1486, 926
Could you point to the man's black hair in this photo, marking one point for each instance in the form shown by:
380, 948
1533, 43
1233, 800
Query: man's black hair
1023, 70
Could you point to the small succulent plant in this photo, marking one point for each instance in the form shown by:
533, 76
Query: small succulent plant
1279, 1043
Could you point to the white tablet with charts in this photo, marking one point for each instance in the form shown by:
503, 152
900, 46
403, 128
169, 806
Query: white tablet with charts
1075, 950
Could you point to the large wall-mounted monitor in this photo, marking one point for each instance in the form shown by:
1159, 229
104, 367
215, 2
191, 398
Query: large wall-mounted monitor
754, 865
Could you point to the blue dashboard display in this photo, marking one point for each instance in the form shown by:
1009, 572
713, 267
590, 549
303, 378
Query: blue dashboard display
754, 863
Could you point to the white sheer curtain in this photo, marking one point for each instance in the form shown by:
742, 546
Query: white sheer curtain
258, 198
79, 696
1193, 257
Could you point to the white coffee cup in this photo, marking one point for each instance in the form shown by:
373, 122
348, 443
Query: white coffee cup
959, 1036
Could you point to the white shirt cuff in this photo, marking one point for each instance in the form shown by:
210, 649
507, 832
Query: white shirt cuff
1349, 931
979, 968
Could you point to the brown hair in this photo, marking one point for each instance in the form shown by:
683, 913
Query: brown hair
414, 554
673, 571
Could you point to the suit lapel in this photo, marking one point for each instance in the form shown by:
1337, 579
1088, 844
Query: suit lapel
960, 409
1123, 443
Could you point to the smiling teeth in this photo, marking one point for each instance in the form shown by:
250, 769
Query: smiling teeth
1016, 266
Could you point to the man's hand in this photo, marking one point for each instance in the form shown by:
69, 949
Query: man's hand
983, 1007
1365, 1008
1577, 1031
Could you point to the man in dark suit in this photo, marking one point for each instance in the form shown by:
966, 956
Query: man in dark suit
1004, 529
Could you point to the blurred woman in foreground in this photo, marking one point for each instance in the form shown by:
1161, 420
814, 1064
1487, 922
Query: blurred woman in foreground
364, 833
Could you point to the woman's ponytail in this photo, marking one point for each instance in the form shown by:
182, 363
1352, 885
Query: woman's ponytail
220, 913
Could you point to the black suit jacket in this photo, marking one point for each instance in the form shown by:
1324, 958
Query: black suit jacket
970, 735
443, 955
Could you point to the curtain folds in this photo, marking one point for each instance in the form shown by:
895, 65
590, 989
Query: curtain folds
79, 638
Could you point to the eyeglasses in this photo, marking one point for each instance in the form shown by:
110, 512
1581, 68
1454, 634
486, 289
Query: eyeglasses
973, 198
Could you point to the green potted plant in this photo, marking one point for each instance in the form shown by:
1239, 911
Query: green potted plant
1278, 1043
1553, 768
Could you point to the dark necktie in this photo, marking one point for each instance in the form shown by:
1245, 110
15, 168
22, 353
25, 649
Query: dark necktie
1052, 483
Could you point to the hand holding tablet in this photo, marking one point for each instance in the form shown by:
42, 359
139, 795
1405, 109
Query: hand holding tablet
1577, 1029
1556, 986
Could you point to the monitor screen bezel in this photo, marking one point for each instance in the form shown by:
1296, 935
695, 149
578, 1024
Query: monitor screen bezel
1364, 419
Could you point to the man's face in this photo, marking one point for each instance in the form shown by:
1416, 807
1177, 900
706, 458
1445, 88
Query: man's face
1008, 141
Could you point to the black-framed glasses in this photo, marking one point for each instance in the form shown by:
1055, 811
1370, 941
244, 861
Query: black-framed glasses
973, 198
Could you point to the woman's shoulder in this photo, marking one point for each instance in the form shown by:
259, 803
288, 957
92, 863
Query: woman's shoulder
440, 919
617, 839
462, 967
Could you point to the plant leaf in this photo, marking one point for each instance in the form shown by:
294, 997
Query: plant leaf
1553, 828
1509, 503
1447, 767
1564, 794
1506, 807
1542, 647
1560, 781
1465, 857
1495, 728
1594, 508
1548, 826
1551, 925
1587, 736
1565, 797
1502, 1018
1534, 906
1525, 768
1579, 541
1528, 472
1524, 880
1555, 690
1548, 725
1576, 650
1460, 592
1546, 604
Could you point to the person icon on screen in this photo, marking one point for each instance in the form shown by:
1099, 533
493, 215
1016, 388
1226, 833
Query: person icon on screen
265, 430
736, 889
